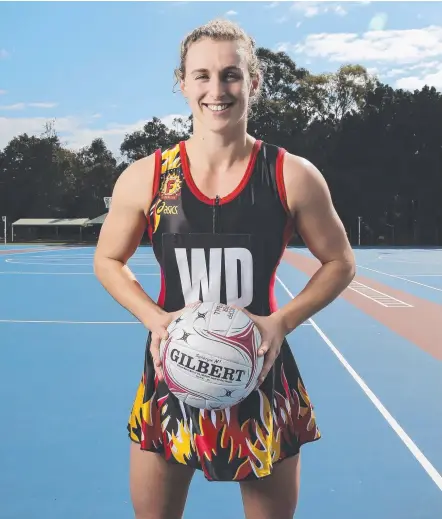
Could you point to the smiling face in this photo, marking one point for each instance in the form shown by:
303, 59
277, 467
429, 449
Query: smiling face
217, 84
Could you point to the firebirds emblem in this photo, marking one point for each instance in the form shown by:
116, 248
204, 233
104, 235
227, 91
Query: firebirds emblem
170, 186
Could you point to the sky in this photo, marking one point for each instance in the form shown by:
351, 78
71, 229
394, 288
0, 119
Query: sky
103, 69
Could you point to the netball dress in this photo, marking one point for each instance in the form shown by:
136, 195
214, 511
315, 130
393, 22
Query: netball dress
222, 250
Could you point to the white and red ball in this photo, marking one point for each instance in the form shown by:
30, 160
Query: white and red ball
210, 359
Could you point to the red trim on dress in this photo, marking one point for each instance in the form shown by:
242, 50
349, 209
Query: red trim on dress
155, 188
288, 232
228, 198
288, 229
280, 179
162, 294
157, 173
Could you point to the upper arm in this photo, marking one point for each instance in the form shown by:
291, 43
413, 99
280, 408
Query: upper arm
126, 220
315, 217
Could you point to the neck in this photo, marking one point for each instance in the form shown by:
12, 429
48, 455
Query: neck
217, 151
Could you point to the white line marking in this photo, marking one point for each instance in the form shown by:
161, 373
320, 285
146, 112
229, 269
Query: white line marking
40, 251
382, 299
422, 275
407, 261
87, 256
76, 264
417, 453
399, 277
66, 322
69, 273
78, 322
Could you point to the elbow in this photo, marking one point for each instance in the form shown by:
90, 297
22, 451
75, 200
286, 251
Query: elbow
100, 265
104, 266
345, 265
349, 267
97, 262
351, 272
98, 269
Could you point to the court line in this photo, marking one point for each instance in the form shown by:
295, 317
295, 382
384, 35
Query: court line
77, 264
386, 259
422, 275
380, 297
66, 322
69, 273
412, 447
35, 321
39, 251
73, 257
399, 277
89, 256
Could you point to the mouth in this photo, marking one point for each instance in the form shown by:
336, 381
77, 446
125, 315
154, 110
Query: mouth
217, 107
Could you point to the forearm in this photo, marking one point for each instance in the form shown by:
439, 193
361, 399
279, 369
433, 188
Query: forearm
122, 285
323, 288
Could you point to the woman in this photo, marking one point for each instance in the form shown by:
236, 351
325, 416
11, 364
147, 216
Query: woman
221, 189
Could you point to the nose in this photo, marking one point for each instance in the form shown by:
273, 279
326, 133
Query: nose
217, 88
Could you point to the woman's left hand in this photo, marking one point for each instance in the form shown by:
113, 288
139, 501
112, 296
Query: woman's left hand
273, 332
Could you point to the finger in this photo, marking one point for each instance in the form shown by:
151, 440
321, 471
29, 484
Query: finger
249, 315
174, 315
264, 348
256, 319
177, 313
155, 352
267, 366
192, 305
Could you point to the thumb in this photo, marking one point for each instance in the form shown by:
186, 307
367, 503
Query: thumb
249, 315
178, 313
263, 348
155, 351
164, 334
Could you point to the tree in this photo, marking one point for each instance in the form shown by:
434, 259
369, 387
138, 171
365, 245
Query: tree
333, 95
32, 176
98, 174
279, 116
155, 134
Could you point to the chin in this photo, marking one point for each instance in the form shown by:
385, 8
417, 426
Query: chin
222, 125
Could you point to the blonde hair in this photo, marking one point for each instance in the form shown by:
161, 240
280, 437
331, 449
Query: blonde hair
221, 30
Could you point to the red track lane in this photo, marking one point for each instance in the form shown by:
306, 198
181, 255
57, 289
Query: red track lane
418, 324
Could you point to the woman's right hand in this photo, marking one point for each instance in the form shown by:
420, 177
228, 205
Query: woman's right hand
159, 333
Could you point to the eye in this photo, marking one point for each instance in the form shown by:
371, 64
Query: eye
232, 76
202, 76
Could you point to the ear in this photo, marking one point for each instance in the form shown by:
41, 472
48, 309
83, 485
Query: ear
254, 85
183, 87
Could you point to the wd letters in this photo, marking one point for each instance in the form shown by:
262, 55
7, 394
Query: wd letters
205, 279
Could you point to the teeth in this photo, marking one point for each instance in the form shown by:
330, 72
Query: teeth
217, 108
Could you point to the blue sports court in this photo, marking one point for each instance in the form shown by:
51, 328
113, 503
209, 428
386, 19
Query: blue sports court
71, 359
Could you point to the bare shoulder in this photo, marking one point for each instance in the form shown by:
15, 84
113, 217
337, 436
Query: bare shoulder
314, 215
134, 186
126, 221
304, 183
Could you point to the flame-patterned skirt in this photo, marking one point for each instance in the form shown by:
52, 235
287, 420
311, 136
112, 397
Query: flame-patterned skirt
238, 443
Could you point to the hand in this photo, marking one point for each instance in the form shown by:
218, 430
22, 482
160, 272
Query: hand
273, 332
159, 333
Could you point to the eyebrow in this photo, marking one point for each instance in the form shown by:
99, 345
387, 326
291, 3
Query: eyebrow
202, 70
